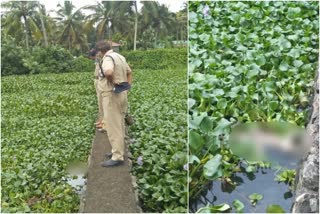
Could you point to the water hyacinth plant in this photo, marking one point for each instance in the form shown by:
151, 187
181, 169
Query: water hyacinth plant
248, 62
160, 134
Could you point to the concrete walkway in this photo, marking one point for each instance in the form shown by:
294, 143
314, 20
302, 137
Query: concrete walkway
109, 190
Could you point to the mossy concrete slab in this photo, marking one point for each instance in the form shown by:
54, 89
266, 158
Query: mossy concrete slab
109, 190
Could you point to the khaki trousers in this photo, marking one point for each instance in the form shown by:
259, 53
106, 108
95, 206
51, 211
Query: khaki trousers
100, 113
114, 109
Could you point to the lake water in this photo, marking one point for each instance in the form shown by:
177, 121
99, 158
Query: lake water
261, 182
77, 175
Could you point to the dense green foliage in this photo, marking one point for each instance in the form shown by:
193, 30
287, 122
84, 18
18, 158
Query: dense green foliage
157, 58
78, 29
158, 102
12, 58
53, 59
249, 61
46, 122
82, 64
48, 60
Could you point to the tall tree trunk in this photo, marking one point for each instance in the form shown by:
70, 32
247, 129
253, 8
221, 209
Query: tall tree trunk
109, 36
27, 31
43, 27
135, 26
26, 27
155, 39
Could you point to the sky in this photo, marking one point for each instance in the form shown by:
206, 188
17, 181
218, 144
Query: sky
173, 5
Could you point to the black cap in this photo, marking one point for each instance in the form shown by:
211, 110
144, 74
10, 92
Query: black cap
92, 52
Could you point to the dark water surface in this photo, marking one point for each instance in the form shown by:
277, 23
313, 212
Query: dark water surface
77, 175
261, 182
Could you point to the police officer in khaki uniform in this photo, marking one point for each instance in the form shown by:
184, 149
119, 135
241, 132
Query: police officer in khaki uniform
94, 55
114, 70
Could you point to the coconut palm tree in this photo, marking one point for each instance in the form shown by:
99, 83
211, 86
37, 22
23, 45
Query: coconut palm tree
14, 29
135, 25
70, 24
26, 21
181, 24
165, 22
111, 16
159, 18
41, 16
20, 17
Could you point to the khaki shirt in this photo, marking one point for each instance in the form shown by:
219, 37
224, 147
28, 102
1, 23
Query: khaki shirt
119, 69
96, 70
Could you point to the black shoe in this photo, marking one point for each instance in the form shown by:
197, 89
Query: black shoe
108, 155
111, 163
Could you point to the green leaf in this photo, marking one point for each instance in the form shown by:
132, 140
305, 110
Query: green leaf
293, 37
222, 126
285, 43
193, 17
261, 60
238, 205
196, 142
222, 104
284, 66
293, 12
204, 37
297, 63
307, 68
206, 124
255, 196
193, 158
211, 168
217, 92
191, 102
214, 209
196, 120
250, 169
287, 195
274, 208
295, 53
254, 70
273, 105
